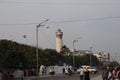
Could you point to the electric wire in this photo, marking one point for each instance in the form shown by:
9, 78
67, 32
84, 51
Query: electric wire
63, 21
60, 3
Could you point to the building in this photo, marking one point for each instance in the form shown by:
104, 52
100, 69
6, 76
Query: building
82, 52
59, 43
103, 57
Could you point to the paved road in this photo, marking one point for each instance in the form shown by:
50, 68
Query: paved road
64, 77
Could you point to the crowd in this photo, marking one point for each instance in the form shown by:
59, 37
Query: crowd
108, 73
111, 73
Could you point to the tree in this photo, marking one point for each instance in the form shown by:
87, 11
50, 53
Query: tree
15, 55
12, 53
65, 50
6, 48
51, 57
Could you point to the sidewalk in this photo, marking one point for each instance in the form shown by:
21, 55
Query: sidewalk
44, 76
97, 78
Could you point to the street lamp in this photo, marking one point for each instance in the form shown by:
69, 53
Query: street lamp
73, 53
90, 55
76, 40
39, 25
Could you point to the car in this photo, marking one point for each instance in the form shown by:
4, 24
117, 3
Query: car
91, 69
82, 67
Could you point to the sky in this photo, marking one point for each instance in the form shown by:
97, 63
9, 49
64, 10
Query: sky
95, 23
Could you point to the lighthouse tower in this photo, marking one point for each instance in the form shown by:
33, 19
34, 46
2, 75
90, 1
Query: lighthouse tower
59, 43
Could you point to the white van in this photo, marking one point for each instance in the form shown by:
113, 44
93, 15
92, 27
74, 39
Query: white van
91, 69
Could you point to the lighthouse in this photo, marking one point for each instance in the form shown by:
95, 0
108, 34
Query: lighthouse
59, 43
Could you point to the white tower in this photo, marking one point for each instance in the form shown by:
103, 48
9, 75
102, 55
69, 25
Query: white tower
59, 43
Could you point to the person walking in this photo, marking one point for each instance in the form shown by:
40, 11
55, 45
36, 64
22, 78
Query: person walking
117, 77
86, 74
69, 72
110, 75
105, 71
81, 74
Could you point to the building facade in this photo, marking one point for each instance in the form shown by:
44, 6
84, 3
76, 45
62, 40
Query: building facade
103, 57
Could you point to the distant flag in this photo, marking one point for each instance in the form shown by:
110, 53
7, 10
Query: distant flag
47, 27
24, 36
91, 48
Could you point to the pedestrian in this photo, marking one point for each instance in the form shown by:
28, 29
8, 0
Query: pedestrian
117, 77
110, 75
41, 70
105, 71
69, 72
81, 74
63, 70
86, 74
52, 71
66, 71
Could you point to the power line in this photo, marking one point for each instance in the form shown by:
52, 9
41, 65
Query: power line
64, 21
21, 2
15, 24
89, 19
60, 3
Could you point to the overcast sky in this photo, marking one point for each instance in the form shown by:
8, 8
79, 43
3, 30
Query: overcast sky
97, 22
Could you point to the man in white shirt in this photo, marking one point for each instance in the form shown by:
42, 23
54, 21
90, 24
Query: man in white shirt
81, 74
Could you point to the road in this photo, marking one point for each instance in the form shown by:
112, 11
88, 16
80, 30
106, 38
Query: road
66, 77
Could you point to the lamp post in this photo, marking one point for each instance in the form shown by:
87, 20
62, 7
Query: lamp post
76, 40
91, 55
39, 25
73, 53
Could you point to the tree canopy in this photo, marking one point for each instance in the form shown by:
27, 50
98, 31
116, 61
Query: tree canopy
16, 55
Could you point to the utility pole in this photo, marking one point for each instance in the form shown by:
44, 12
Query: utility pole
91, 55
76, 40
39, 25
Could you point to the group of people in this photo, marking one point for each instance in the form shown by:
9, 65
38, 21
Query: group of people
68, 70
108, 73
111, 73
43, 70
85, 74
